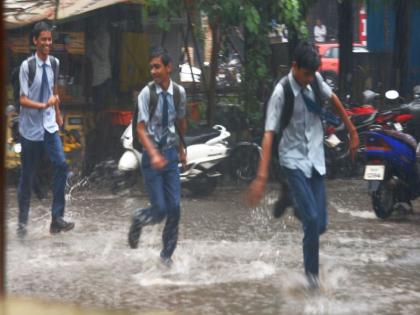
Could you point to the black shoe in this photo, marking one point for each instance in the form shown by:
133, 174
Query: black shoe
21, 231
313, 282
283, 202
134, 233
280, 207
166, 261
59, 225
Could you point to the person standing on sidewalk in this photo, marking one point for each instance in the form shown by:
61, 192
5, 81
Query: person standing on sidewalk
320, 32
161, 114
301, 149
39, 122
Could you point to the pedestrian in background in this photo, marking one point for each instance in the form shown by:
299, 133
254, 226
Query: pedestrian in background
320, 32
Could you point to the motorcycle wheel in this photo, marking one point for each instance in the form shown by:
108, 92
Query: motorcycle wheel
383, 200
244, 163
202, 186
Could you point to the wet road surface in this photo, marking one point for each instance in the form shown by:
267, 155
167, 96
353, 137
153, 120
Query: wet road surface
230, 259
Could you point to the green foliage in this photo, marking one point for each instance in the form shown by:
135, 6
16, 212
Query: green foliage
253, 16
164, 10
251, 19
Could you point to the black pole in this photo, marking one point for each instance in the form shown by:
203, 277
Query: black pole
401, 45
345, 38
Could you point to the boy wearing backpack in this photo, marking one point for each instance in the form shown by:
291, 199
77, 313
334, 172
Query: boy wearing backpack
159, 114
39, 121
295, 111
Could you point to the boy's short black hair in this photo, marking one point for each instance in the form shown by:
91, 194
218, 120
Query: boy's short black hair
306, 56
161, 53
40, 27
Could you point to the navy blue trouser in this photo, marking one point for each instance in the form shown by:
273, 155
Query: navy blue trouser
30, 155
164, 189
309, 198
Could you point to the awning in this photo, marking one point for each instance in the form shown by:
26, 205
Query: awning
19, 13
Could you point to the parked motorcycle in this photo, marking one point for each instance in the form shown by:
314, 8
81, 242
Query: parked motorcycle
336, 140
392, 170
366, 118
208, 155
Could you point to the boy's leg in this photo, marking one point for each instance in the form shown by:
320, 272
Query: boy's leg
318, 189
54, 149
29, 157
172, 186
305, 202
153, 182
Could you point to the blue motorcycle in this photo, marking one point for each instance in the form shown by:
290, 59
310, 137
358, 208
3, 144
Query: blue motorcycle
392, 170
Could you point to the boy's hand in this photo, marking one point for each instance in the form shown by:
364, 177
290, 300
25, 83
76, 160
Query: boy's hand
52, 101
354, 144
255, 191
183, 158
59, 120
158, 161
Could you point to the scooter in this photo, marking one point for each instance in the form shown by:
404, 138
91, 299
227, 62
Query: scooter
207, 150
392, 170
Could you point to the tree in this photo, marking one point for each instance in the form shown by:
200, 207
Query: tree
250, 15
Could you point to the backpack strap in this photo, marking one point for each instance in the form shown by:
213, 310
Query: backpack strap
317, 90
289, 104
153, 99
177, 101
136, 141
54, 67
177, 96
31, 70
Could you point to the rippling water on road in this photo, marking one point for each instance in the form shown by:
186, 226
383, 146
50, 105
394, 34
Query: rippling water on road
230, 259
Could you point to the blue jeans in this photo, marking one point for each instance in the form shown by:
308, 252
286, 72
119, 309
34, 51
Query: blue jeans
30, 155
309, 198
164, 189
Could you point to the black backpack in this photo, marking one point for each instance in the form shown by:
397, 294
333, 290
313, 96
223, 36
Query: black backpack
31, 76
153, 100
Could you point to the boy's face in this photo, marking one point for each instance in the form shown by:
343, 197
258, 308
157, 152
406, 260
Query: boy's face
43, 43
160, 73
302, 76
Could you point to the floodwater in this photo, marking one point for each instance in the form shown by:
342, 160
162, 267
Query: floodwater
230, 259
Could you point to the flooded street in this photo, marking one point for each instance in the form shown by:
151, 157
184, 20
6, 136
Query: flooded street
230, 259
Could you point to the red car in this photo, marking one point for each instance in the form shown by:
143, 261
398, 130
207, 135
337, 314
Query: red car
329, 53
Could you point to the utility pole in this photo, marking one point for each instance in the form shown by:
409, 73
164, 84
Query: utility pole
345, 39
402, 45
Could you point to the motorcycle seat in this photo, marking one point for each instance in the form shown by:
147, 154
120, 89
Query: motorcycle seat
200, 135
406, 138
